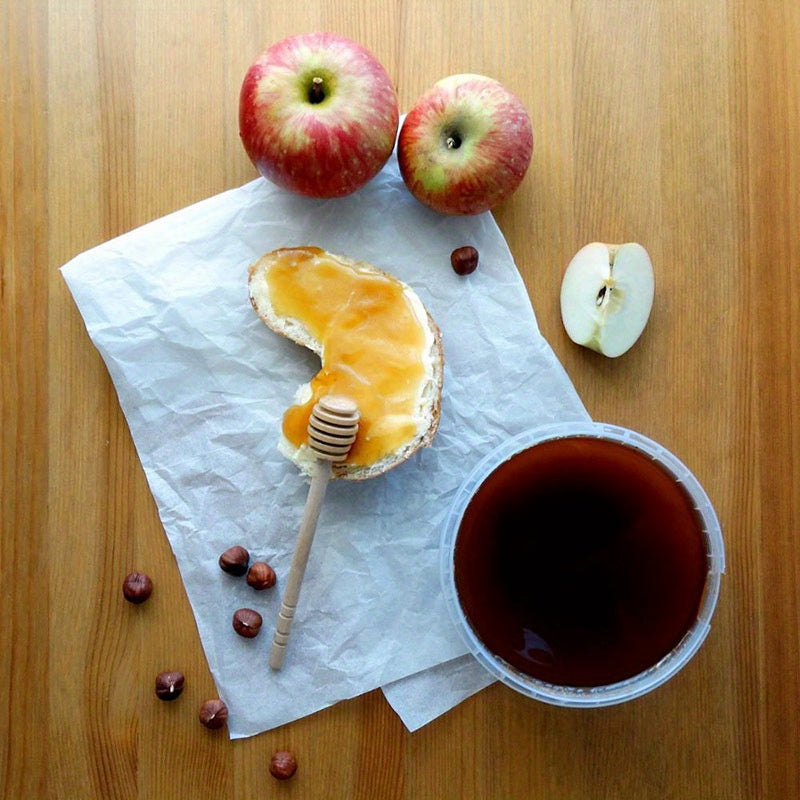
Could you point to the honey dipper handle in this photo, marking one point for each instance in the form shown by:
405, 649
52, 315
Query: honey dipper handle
308, 526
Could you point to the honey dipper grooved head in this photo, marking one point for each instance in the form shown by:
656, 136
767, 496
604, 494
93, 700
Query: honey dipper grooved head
332, 427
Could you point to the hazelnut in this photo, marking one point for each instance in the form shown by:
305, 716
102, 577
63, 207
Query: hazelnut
283, 765
247, 622
137, 587
464, 260
234, 560
261, 575
213, 714
169, 685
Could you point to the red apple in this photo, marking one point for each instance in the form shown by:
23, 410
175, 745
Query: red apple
318, 114
465, 145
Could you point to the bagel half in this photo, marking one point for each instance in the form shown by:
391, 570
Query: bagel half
377, 343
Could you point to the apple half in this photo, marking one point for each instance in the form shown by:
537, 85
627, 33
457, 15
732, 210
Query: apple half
607, 295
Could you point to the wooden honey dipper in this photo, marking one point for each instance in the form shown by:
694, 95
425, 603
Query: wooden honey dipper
332, 430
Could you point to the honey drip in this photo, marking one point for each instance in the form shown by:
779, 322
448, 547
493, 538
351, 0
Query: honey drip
374, 347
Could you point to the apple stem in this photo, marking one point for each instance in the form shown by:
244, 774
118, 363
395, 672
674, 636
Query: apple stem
316, 93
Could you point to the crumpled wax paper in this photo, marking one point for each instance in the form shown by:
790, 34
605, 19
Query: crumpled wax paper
203, 384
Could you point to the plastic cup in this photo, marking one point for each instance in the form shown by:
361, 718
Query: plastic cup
643, 682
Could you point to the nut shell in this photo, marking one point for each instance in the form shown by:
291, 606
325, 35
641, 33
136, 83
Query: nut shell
137, 587
283, 765
464, 260
261, 576
169, 685
213, 714
247, 622
234, 560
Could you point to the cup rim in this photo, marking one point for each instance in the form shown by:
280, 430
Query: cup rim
641, 683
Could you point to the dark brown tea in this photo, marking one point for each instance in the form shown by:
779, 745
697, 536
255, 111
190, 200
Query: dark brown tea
580, 561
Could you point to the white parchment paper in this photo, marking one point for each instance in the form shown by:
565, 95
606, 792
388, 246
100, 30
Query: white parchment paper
203, 384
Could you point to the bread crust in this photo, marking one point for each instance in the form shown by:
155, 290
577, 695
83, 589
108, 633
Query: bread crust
296, 331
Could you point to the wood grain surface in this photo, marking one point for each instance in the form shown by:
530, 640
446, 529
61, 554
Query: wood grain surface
672, 123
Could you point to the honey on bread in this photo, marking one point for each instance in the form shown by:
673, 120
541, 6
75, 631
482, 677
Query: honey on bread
375, 346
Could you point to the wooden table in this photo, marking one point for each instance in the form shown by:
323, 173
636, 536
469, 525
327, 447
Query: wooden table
675, 124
